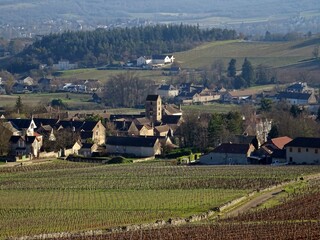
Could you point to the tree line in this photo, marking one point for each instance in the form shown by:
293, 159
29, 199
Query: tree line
101, 46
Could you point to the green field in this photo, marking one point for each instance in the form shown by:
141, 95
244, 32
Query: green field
275, 54
64, 196
75, 101
105, 75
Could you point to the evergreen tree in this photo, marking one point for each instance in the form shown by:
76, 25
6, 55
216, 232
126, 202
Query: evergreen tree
232, 71
19, 105
274, 132
248, 72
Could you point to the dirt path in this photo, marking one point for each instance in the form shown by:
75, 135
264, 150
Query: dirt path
255, 201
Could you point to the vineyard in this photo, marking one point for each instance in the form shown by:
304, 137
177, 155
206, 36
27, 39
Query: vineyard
298, 217
64, 196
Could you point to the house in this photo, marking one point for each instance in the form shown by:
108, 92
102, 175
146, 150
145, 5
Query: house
87, 149
27, 81
238, 96
162, 59
70, 150
163, 131
273, 150
135, 146
167, 91
44, 84
303, 150
299, 87
96, 128
64, 65
296, 98
153, 108
25, 146
171, 109
25, 126
143, 60
228, 153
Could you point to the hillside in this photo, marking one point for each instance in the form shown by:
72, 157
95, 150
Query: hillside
289, 58
276, 54
102, 11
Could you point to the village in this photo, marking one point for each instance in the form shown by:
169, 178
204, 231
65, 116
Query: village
155, 133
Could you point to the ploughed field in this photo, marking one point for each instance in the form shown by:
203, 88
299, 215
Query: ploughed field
63, 196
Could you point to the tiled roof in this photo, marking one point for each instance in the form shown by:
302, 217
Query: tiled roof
232, 148
281, 141
294, 95
131, 141
304, 142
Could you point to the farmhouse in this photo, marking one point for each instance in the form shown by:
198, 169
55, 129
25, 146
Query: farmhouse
135, 146
228, 153
303, 150
296, 98
167, 91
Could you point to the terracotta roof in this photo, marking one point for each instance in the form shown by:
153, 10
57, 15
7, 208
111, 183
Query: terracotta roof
281, 141
304, 142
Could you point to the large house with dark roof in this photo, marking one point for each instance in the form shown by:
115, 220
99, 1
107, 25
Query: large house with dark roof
303, 150
297, 98
135, 146
228, 153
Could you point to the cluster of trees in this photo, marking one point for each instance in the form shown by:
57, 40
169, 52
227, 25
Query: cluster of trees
100, 47
126, 90
276, 37
249, 76
203, 131
290, 120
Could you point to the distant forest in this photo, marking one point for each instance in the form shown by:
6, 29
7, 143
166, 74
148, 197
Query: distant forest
101, 47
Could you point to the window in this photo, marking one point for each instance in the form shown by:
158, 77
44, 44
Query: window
290, 149
299, 149
307, 149
316, 151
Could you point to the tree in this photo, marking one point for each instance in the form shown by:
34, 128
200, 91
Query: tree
274, 132
318, 115
19, 106
248, 72
315, 52
215, 129
232, 70
239, 82
265, 105
5, 135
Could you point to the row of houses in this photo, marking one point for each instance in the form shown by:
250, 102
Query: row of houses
142, 135
277, 151
187, 93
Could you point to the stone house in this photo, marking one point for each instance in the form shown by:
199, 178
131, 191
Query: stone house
228, 154
303, 150
135, 146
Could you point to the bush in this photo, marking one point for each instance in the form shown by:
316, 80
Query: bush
179, 153
118, 160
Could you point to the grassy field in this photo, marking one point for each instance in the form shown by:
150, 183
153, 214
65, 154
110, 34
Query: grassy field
275, 54
74, 101
64, 196
105, 75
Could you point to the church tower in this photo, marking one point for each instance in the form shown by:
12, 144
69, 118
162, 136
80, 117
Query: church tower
154, 108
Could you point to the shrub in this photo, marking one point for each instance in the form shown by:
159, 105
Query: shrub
119, 159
